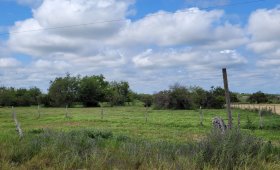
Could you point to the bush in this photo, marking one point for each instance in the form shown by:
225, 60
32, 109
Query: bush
232, 149
162, 100
147, 99
177, 97
258, 97
180, 97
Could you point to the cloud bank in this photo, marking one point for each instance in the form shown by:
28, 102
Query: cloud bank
187, 44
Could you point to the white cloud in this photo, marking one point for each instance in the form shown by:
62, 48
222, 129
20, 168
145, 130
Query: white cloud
190, 45
73, 39
191, 27
8, 63
190, 59
263, 27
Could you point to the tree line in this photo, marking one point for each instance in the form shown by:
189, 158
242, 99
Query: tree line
91, 91
182, 97
88, 91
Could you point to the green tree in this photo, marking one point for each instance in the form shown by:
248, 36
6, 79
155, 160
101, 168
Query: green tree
147, 99
162, 100
7, 96
118, 93
199, 97
93, 90
64, 90
180, 97
35, 95
258, 97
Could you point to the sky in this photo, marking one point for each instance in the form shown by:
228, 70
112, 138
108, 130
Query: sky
150, 44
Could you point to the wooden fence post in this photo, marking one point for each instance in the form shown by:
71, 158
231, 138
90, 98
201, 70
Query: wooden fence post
201, 116
102, 113
146, 114
19, 130
66, 111
227, 96
275, 109
38, 111
238, 119
261, 119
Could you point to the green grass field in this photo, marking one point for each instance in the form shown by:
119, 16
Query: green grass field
171, 126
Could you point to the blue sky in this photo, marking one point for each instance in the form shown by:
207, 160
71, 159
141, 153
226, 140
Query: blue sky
156, 43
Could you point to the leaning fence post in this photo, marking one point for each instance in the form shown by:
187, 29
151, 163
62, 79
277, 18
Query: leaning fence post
19, 130
227, 95
201, 116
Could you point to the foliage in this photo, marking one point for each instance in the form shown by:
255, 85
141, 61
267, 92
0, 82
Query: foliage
64, 90
162, 100
249, 124
79, 149
19, 97
258, 97
93, 90
199, 97
118, 93
177, 97
180, 97
215, 98
232, 149
146, 99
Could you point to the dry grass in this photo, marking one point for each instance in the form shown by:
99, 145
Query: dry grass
275, 108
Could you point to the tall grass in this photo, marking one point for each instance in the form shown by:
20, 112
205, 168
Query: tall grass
90, 149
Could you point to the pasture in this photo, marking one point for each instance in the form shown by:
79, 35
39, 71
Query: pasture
174, 128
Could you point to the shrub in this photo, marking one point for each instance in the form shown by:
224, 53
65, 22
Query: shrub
258, 97
162, 100
230, 150
177, 97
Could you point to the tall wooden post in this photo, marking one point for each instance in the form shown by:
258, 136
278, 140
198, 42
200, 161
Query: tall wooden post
201, 116
261, 119
238, 119
66, 111
146, 114
227, 95
38, 111
102, 113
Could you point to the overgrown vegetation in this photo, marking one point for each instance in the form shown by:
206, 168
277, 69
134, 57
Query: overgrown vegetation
91, 91
19, 97
181, 97
85, 149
